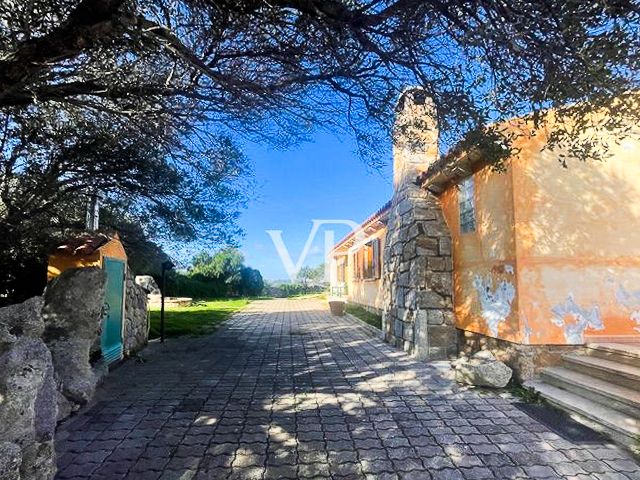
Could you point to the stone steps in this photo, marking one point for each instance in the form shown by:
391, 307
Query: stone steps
621, 398
618, 352
610, 370
600, 387
620, 427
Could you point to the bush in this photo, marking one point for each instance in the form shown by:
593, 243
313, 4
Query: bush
179, 285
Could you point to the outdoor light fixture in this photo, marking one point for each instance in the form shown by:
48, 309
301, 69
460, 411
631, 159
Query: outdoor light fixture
168, 265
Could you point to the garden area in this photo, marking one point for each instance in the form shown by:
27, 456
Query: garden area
201, 318
365, 315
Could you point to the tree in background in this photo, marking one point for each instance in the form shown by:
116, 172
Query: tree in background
47, 173
226, 273
305, 276
251, 282
308, 276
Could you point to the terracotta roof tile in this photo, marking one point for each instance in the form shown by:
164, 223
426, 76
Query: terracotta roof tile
381, 211
83, 244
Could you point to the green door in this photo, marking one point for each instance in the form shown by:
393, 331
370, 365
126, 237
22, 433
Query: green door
112, 322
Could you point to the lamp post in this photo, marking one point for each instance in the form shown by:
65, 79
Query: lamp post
168, 265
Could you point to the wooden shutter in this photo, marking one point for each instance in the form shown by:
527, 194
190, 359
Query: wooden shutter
376, 258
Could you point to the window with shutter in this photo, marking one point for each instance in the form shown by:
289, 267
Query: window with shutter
376, 258
467, 206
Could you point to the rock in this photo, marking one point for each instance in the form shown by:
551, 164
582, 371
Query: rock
10, 461
21, 320
72, 315
148, 283
483, 370
28, 408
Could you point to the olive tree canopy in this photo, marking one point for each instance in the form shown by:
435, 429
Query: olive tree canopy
273, 69
142, 99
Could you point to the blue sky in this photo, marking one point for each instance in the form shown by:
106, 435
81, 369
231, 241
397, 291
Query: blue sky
322, 179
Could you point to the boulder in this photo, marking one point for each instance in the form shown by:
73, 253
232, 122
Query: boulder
10, 460
72, 316
148, 283
28, 408
21, 320
483, 370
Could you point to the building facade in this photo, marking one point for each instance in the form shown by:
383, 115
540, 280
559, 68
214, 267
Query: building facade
528, 261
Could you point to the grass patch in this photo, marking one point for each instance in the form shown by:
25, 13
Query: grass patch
201, 318
364, 315
526, 394
307, 296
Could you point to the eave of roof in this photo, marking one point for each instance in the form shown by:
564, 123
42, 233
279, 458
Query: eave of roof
83, 244
370, 226
448, 169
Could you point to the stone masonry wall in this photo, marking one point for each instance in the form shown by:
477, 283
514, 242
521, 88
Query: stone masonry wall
136, 326
417, 264
524, 360
418, 314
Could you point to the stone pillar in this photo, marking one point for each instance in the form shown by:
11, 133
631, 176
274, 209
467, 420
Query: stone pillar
417, 279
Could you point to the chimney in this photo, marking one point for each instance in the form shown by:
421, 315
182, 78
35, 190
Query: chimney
93, 211
415, 136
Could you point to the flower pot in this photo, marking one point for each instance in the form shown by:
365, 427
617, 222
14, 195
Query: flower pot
337, 307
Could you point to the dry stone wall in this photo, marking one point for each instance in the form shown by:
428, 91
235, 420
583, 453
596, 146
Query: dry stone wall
50, 364
136, 325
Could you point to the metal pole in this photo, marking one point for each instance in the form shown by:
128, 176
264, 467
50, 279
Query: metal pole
164, 275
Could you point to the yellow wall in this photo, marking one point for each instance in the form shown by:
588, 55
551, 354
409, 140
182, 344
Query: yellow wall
484, 261
578, 243
364, 292
59, 262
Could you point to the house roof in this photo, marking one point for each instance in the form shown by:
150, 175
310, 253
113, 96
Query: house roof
84, 244
371, 225
449, 168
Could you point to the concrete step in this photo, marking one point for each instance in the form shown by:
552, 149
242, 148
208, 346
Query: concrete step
627, 353
619, 426
611, 371
609, 394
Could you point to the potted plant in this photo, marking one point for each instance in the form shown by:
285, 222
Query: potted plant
336, 306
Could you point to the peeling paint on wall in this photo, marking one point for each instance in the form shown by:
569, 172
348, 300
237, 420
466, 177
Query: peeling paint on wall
496, 305
509, 269
526, 331
583, 318
628, 299
635, 316
631, 300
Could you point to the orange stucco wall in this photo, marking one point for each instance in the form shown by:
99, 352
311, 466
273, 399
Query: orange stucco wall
484, 261
58, 263
578, 245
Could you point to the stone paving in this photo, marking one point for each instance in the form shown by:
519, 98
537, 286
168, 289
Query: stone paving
287, 391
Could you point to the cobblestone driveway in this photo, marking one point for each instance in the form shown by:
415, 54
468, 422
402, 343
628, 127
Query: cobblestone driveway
287, 391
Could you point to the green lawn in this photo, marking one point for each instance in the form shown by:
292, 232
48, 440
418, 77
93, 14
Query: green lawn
201, 318
364, 315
